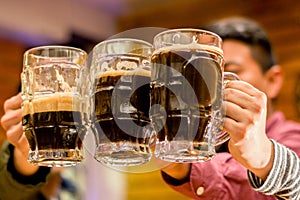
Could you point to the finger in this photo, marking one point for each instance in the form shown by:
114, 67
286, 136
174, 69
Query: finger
15, 133
246, 96
234, 111
234, 129
13, 103
10, 118
238, 97
23, 145
237, 120
242, 118
252, 103
243, 87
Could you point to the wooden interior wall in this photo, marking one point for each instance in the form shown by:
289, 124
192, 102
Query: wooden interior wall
11, 55
281, 19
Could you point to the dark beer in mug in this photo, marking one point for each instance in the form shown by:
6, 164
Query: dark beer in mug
186, 98
54, 127
121, 117
120, 101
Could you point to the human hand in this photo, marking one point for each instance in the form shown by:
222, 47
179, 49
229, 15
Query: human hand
245, 121
11, 122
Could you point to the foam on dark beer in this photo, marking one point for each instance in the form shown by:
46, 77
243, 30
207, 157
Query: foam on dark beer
191, 46
136, 72
50, 103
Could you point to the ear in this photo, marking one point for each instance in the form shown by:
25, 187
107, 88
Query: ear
274, 78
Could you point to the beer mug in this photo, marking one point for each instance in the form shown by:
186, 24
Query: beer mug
120, 73
53, 92
186, 94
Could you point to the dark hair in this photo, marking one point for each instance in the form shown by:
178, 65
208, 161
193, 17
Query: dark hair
249, 32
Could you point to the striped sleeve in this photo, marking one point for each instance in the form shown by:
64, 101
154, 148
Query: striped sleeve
283, 180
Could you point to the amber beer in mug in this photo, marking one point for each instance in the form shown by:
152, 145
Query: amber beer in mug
187, 94
121, 100
53, 91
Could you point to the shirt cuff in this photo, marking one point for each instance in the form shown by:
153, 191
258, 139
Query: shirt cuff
173, 181
34, 179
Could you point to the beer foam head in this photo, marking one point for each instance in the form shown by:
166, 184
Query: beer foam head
50, 103
142, 72
136, 72
192, 46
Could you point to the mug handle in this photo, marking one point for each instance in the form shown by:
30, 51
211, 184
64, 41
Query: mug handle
223, 136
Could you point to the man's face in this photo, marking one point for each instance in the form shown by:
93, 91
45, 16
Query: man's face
238, 59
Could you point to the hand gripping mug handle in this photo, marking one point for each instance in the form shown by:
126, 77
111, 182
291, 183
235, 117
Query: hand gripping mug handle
223, 136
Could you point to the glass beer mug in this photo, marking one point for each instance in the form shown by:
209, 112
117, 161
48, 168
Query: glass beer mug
120, 74
186, 94
53, 92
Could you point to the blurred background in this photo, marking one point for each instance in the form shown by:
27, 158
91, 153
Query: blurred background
84, 23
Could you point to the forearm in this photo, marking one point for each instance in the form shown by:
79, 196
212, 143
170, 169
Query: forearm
254, 153
22, 165
28, 176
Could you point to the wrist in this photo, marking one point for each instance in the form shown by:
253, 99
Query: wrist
179, 171
22, 165
257, 156
32, 176
264, 171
